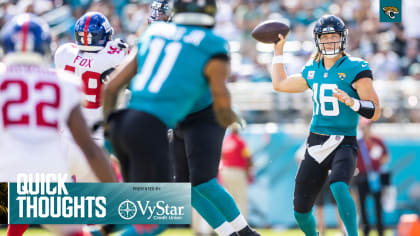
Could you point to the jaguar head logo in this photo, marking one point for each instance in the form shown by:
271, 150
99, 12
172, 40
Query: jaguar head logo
391, 11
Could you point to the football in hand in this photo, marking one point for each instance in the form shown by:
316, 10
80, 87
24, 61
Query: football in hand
268, 31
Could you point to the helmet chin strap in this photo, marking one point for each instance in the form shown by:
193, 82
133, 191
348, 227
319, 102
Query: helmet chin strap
331, 56
330, 53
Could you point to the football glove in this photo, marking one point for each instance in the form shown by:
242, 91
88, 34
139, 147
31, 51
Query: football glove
104, 76
122, 45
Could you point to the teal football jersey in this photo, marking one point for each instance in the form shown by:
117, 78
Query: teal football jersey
330, 116
203, 102
170, 75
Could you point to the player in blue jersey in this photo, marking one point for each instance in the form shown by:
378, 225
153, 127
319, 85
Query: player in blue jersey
342, 90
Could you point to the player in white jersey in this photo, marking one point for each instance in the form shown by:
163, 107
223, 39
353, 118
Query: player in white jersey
35, 102
94, 56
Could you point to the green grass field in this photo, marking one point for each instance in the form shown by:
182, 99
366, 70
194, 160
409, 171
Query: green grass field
187, 232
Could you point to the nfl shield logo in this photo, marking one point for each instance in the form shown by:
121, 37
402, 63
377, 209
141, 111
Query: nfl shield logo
311, 74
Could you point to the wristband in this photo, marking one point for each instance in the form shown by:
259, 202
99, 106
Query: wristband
364, 108
356, 105
278, 60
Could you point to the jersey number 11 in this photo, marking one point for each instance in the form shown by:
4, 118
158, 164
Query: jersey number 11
155, 49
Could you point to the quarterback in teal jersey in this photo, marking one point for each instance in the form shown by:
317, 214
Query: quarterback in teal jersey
342, 90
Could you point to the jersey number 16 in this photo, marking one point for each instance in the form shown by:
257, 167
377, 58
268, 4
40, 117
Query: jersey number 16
323, 99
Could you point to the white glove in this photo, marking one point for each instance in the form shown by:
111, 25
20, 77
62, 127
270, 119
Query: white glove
123, 46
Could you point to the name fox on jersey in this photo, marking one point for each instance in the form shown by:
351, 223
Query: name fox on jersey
40, 197
84, 62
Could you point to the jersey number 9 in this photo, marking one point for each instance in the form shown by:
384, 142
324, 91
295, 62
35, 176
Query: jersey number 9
91, 87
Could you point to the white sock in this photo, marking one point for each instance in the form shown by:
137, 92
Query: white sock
239, 223
224, 229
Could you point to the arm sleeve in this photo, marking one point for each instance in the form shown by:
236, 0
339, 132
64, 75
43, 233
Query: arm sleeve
362, 70
363, 74
217, 47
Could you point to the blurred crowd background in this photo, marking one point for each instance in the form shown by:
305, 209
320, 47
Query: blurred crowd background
392, 49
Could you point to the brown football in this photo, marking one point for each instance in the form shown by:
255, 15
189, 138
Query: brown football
267, 31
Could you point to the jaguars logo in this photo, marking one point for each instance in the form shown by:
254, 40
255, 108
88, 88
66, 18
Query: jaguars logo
342, 76
391, 11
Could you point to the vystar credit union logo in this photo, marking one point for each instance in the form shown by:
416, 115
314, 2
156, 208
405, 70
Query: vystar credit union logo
127, 210
157, 211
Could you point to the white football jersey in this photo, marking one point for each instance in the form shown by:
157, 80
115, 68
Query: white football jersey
89, 66
35, 102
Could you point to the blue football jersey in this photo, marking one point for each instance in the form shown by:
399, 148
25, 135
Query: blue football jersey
330, 116
170, 76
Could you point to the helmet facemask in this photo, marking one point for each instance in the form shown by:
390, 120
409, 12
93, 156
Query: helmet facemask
338, 46
159, 11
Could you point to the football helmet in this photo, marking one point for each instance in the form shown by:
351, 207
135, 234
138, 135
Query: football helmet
92, 31
26, 33
330, 24
194, 12
159, 11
